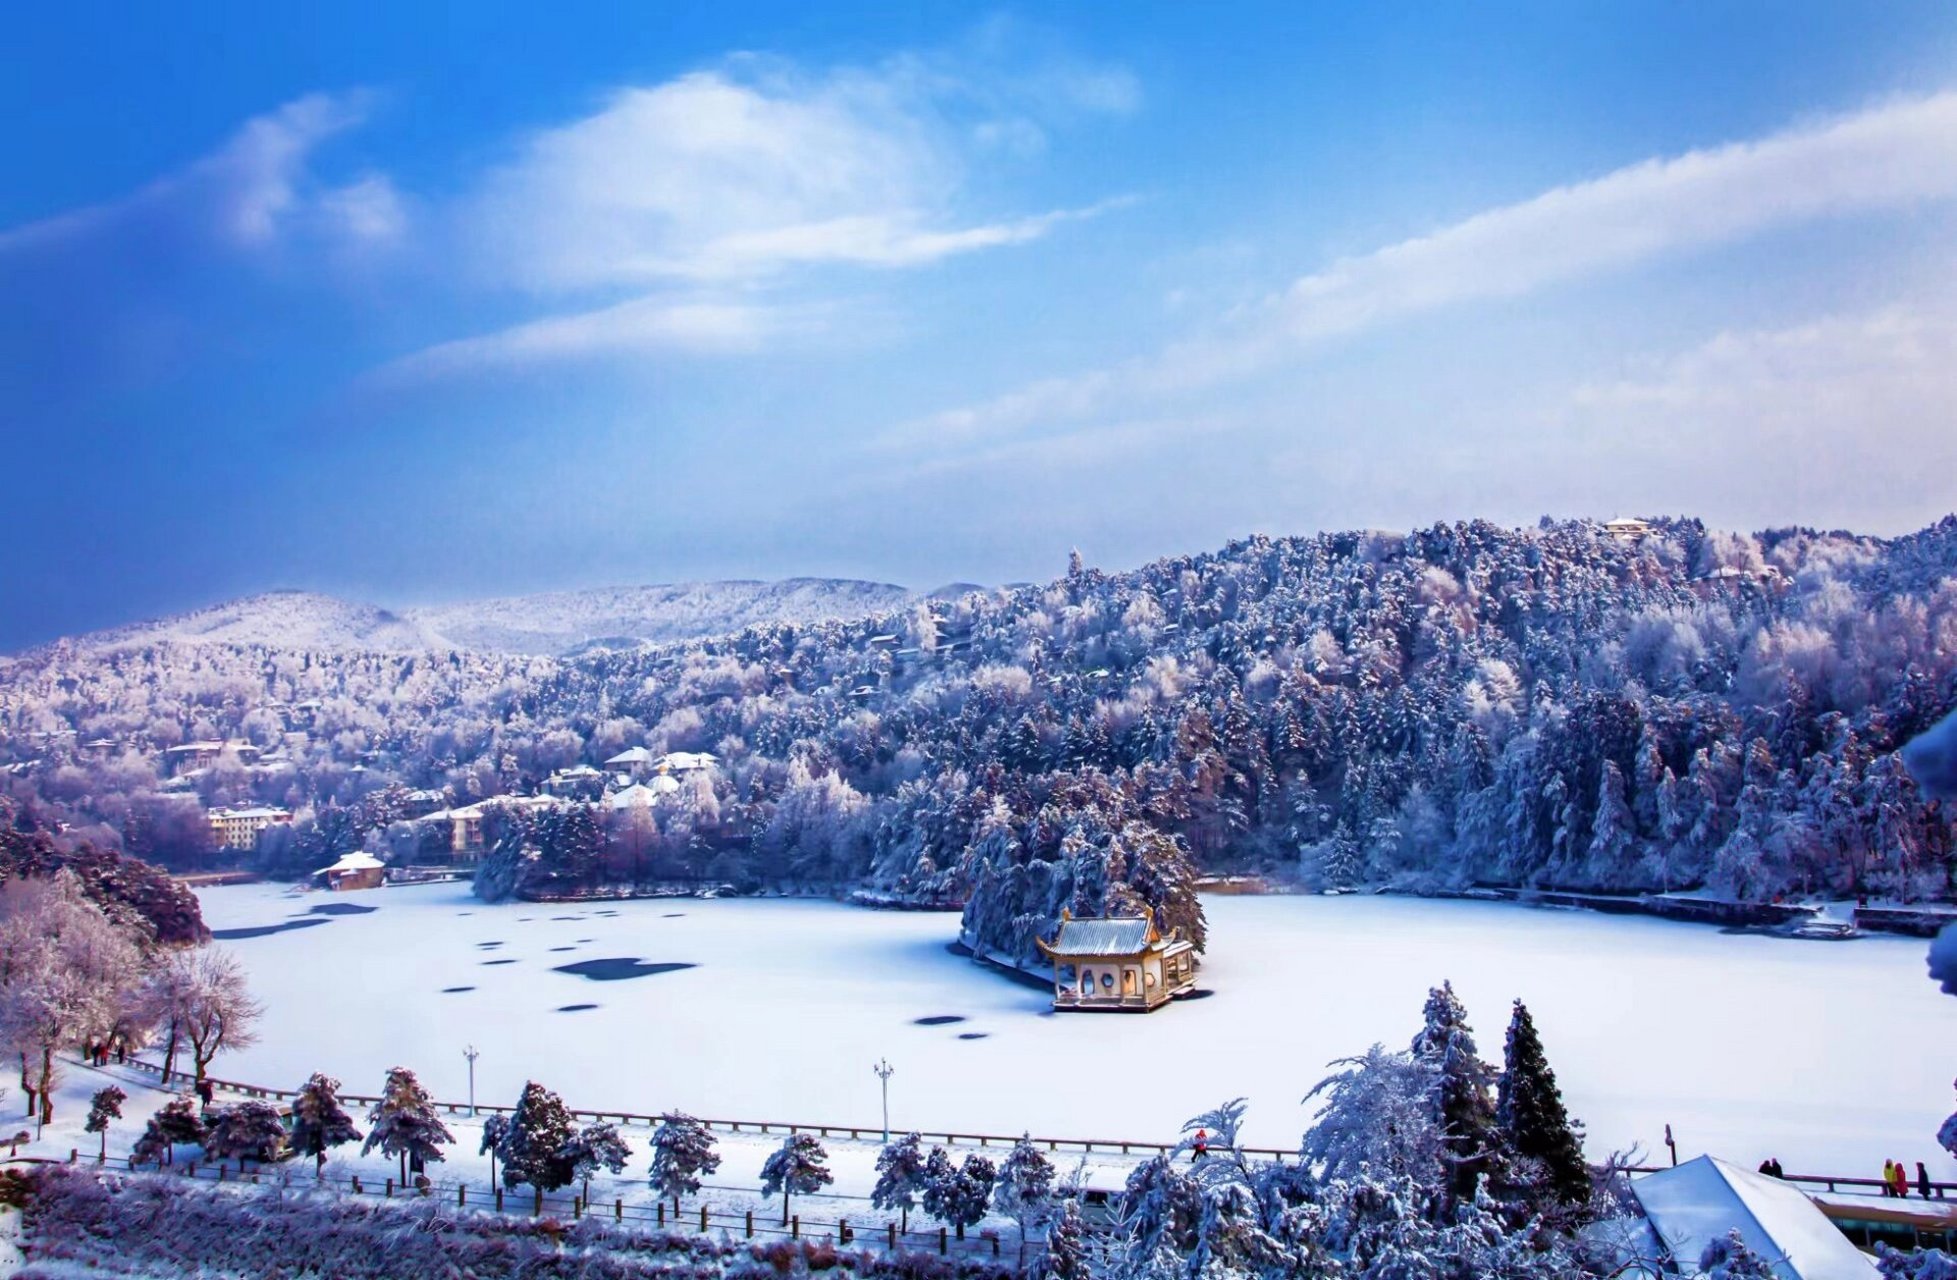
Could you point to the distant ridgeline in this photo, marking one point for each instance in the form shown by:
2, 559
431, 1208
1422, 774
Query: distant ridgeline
1634, 708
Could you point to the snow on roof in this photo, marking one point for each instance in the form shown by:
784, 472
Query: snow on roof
632, 755
1111, 937
1705, 1198
260, 812
355, 861
683, 761
633, 796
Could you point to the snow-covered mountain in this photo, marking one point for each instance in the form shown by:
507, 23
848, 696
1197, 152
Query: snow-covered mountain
555, 622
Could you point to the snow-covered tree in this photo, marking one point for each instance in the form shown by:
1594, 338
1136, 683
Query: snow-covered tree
1536, 1127
105, 1106
534, 1145
319, 1121
200, 998
797, 1167
405, 1124
939, 1175
1729, 1257
1377, 1115
66, 974
900, 1178
494, 1129
968, 1194
248, 1130
1066, 1246
596, 1146
1462, 1096
682, 1154
174, 1123
1024, 1191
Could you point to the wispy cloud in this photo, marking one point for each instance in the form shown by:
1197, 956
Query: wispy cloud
710, 199
1886, 157
256, 187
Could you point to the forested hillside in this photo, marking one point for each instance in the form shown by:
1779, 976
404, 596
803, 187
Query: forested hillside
1463, 705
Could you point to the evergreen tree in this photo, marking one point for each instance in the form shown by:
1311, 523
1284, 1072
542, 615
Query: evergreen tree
405, 1124
319, 1121
1024, 1191
1729, 1257
250, 1130
174, 1123
494, 1129
105, 1106
969, 1193
1461, 1098
594, 1147
535, 1144
682, 1153
939, 1174
1529, 1109
797, 1166
1066, 1246
900, 1177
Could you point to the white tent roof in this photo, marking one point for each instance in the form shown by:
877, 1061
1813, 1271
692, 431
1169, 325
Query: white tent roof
1701, 1200
355, 861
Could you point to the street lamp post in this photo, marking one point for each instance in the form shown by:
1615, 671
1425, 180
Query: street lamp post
884, 1071
472, 1054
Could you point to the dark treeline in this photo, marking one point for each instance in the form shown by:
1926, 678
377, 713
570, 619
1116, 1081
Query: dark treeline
1463, 705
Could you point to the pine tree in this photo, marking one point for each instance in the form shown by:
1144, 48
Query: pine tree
969, 1194
594, 1147
1529, 1109
939, 1174
533, 1147
105, 1106
1461, 1102
319, 1121
248, 1131
1024, 1191
682, 1153
795, 1167
900, 1177
405, 1124
1066, 1246
175, 1122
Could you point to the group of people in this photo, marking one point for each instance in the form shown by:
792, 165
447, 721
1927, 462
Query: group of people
98, 1052
1895, 1180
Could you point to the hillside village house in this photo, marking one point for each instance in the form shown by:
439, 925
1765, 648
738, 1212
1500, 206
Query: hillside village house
466, 823
1630, 528
635, 762
1118, 964
239, 828
202, 755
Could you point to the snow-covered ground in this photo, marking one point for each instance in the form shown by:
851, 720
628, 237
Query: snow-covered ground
1821, 1053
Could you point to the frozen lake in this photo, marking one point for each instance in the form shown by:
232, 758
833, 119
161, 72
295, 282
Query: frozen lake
1832, 1056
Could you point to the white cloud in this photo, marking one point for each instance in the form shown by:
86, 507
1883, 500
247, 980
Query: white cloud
1891, 156
245, 195
708, 177
639, 326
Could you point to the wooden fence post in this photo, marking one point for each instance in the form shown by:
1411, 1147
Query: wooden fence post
537, 1205
577, 1207
750, 1224
995, 1244
703, 1217
618, 1209
461, 1195
389, 1192
944, 1240
890, 1229
795, 1227
356, 1184
662, 1213
499, 1199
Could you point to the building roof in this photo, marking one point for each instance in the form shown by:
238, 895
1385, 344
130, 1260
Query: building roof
355, 861
1111, 936
632, 755
1703, 1199
251, 813
686, 761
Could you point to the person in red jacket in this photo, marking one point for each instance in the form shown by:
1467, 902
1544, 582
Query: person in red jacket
1200, 1147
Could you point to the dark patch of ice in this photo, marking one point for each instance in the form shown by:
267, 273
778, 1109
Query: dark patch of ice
672, 915
572, 918
972, 1035
266, 930
341, 909
587, 939
939, 1020
499, 962
618, 968
563, 948
488, 946
575, 1008
449, 991
525, 919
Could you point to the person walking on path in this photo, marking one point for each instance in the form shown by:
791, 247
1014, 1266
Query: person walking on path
1922, 1180
1900, 1180
1889, 1179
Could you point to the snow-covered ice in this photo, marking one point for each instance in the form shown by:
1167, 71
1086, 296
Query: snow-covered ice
1820, 1053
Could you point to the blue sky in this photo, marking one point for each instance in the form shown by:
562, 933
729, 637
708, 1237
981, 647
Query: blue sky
410, 304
